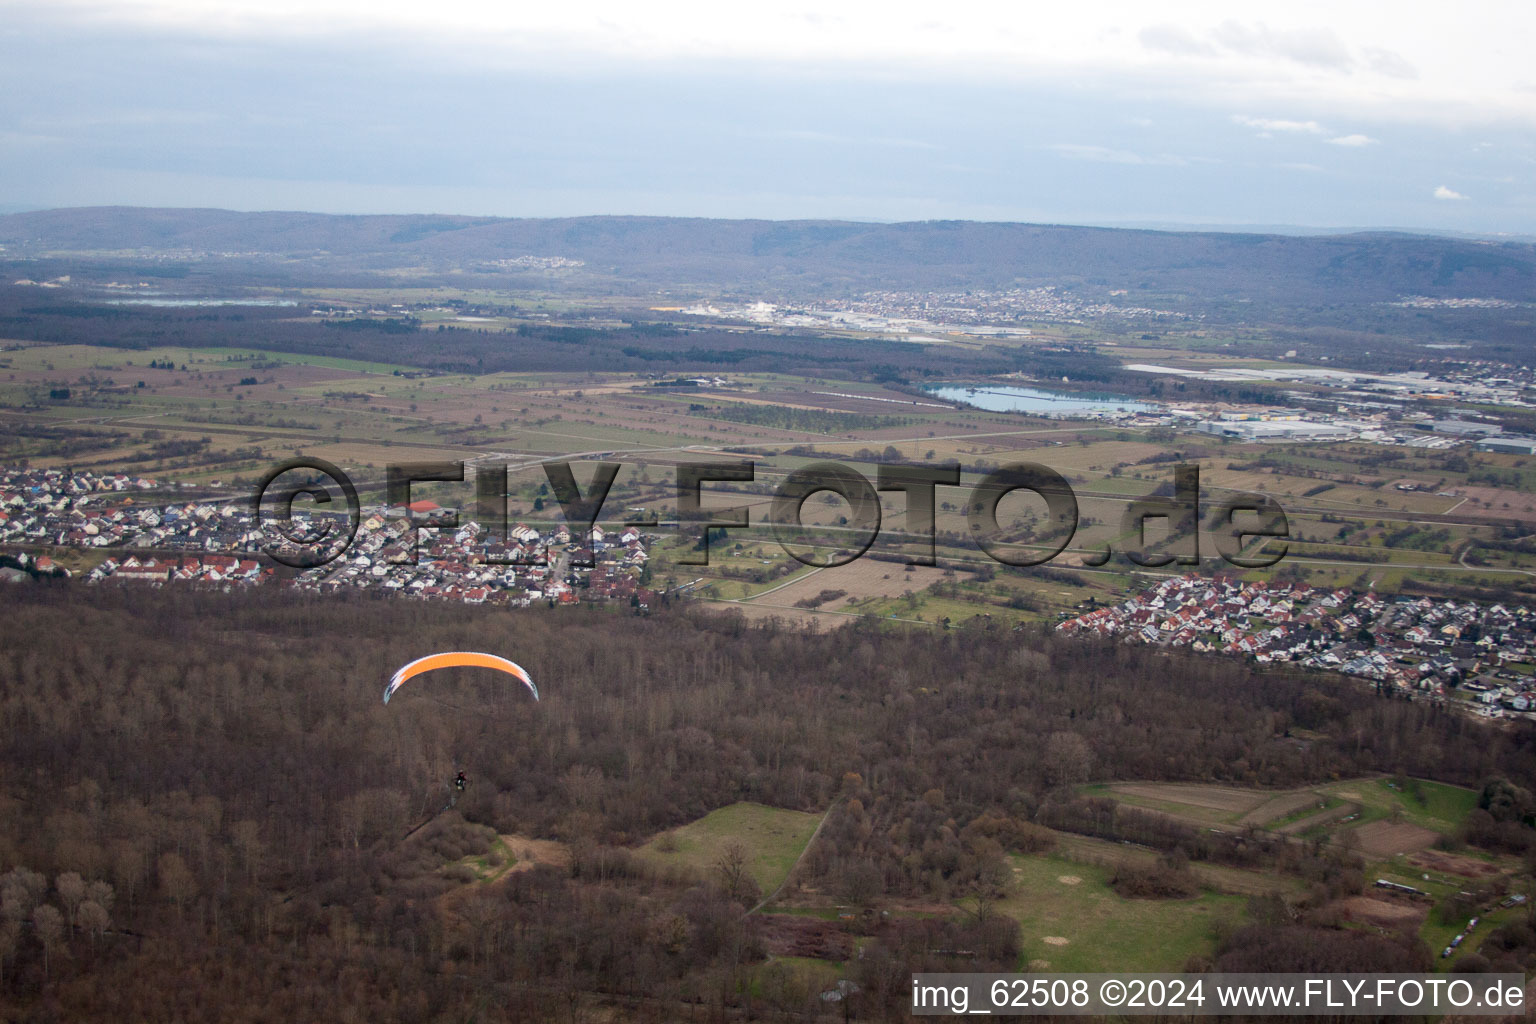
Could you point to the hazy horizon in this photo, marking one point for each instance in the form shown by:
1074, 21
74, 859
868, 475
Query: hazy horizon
1301, 115
1299, 230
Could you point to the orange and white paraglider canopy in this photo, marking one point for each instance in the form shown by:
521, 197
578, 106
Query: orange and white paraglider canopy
457, 659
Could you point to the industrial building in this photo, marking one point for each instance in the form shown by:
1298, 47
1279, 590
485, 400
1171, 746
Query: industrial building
1275, 430
1511, 444
1465, 428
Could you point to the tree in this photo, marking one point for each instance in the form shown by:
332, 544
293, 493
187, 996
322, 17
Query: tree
176, 879
130, 865
101, 893
93, 917
862, 883
1505, 800
71, 888
10, 939
50, 930
1068, 759
22, 888
731, 869
990, 873
246, 836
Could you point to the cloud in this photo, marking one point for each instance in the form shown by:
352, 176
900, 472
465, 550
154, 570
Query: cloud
1313, 47
1389, 63
1316, 48
1268, 124
1441, 192
1175, 40
25, 140
835, 139
1105, 155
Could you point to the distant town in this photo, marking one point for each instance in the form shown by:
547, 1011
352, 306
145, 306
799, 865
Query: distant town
1441, 649
216, 542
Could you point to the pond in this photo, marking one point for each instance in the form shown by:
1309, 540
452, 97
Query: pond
1039, 401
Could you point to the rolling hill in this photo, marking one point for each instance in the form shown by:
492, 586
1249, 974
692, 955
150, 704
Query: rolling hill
1179, 268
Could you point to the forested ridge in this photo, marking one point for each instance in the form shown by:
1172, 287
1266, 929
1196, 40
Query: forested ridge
816, 256
219, 775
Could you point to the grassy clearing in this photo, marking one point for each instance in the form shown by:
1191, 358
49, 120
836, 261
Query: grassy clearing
795, 975
1104, 931
773, 837
492, 864
1441, 808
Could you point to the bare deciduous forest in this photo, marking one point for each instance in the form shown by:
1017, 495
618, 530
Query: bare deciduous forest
206, 787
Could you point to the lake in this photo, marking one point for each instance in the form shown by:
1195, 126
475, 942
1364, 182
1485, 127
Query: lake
1039, 401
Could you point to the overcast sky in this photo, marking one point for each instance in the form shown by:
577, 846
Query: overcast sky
1309, 114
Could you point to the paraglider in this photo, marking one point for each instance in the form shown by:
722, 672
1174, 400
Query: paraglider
457, 659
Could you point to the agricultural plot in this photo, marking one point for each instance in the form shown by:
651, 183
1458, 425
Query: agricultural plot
1348, 499
858, 581
1313, 820
1385, 839
1280, 807
1198, 803
1502, 500
1384, 914
1387, 817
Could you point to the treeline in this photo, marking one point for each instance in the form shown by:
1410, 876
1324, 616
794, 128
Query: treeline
224, 764
19, 439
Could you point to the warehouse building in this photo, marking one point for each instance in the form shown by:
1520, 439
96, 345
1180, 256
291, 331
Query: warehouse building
1511, 444
1275, 430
